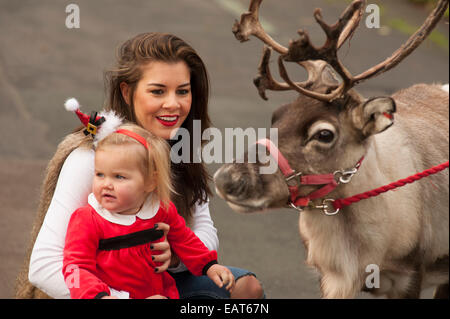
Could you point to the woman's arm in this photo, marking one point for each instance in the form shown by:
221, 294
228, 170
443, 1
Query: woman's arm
203, 226
71, 192
191, 250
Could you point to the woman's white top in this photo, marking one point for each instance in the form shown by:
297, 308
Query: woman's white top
72, 190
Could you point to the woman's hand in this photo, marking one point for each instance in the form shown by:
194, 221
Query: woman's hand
166, 254
221, 276
156, 297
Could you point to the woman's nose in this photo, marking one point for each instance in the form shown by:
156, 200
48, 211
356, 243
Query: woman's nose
172, 101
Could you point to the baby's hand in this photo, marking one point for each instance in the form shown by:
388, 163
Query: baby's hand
109, 297
221, 276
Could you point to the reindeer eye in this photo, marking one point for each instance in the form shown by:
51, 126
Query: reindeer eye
324, 136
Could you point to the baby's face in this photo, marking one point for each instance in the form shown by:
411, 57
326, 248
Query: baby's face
118, 185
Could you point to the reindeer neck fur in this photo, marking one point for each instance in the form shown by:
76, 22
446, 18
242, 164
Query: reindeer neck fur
388, 230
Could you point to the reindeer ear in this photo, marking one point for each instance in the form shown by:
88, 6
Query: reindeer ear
375, 115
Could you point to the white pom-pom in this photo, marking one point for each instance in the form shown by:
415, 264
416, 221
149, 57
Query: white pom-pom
112, 122
71, 105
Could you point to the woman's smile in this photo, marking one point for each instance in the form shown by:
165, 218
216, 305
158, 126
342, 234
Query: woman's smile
168, 120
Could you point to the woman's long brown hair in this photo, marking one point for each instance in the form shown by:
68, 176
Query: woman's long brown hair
190, 179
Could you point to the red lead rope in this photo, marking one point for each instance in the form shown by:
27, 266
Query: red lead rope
339, 203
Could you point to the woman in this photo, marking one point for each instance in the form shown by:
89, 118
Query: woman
161, 84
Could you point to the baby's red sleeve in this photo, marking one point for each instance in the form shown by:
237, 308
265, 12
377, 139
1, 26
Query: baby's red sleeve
191, 250
79, 263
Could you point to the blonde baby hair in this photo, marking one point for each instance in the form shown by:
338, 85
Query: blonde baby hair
154, 161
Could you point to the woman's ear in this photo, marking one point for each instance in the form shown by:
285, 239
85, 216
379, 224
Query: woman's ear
125, 90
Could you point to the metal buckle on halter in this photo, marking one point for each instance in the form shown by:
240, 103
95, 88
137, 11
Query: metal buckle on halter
327, 207
294, 175
345, 176
297, 208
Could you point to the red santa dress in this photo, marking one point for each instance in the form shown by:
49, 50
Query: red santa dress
104, 250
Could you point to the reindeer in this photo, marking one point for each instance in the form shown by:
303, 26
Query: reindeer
334, 143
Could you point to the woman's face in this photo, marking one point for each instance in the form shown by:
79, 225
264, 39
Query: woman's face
162, 98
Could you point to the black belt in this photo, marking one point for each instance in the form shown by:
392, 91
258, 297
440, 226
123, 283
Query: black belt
130, 240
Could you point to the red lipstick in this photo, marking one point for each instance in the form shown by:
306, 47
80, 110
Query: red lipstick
168, 120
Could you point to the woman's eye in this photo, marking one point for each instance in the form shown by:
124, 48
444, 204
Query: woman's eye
183, 92
324, 136
157, 92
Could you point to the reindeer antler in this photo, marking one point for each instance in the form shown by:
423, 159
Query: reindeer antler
409, 46
250, 25
264, 81
303, 52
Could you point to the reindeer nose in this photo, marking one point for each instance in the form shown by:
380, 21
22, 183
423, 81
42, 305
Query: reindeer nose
229, 183
221, 180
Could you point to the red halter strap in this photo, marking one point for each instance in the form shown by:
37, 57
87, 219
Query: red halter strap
133, 135
331, 181
342, 202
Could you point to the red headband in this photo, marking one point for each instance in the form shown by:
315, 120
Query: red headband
136, 136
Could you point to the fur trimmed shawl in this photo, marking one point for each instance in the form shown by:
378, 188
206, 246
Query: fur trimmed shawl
23, 288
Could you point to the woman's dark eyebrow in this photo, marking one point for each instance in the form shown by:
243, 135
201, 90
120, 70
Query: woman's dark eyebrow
162, 85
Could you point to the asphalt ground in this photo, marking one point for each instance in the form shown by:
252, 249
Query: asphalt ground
42, 62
